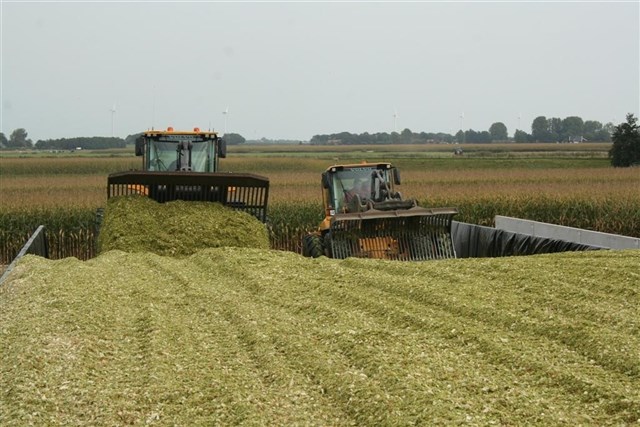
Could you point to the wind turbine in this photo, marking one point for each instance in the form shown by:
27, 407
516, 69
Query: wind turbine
225, 113
519, 120
113, 115
395, 120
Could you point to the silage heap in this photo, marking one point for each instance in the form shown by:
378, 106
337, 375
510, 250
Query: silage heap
258, 337
177, 228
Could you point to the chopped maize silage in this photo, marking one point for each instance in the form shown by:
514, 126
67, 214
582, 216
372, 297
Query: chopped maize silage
233, 336
177, 228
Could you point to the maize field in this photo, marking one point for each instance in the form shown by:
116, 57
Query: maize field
569, 185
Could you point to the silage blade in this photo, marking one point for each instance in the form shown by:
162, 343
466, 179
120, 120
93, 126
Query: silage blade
240, 191
415, 234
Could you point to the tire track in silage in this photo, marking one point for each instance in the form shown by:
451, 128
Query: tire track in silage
407, 314
271, 339
205, 347
318, 350
408, 304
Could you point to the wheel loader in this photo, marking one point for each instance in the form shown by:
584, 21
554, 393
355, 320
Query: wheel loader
183, 165
366, 217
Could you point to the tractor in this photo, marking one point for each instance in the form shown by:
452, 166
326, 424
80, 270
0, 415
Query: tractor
366, 217
183, 165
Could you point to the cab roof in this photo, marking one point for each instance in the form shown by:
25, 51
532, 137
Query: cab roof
171, 132
363, 165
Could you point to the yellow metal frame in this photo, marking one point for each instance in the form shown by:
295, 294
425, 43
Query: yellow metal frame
152, 133
325, 224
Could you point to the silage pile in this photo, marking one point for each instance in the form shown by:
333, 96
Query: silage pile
177, 228
235, 336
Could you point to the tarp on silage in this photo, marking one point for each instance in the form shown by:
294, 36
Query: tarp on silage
177, 228
476, 241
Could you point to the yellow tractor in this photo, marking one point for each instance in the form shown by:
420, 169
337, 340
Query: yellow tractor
366, 217
183, 165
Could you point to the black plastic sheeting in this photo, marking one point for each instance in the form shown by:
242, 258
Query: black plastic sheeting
476, 241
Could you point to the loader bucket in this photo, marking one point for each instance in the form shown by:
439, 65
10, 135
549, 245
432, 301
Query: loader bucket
415, 234
245, 192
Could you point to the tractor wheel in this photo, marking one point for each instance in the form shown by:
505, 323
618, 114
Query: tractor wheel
327, 245
312, 246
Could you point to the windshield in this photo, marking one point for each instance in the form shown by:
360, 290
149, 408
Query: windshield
349, 182
163, 156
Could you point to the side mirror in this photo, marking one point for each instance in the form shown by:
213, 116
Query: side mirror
222, 148
139, 146
396, 176
326, 181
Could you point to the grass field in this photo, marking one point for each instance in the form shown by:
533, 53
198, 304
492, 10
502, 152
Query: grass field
261, 337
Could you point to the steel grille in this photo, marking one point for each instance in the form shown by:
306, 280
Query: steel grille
245, 192
415, 238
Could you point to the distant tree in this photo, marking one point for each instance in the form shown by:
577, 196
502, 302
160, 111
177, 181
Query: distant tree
444, 137
556, 129
345, 138
18, 139
595, 131
540, 129
459, 136
470, 136
602, 135
498, 132
86, 143
366, 138
234, 138
521, 136
382, 138
473, 137
609, 127
3, 140
131, 139
406, 137
591, 127
318, 140
625, 150
572, 128
483, 137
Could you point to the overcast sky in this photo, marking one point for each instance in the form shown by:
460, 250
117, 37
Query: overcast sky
294, 70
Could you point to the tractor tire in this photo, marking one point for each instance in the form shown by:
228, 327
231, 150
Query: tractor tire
327, 245
312, 246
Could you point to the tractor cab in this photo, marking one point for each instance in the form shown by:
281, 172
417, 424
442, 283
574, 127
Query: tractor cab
183, 165
169, 151
366, 217
348, 187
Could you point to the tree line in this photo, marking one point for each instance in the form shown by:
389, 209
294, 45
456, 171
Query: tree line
543, 129
569, 129
19, 138
625, 150
90, 143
